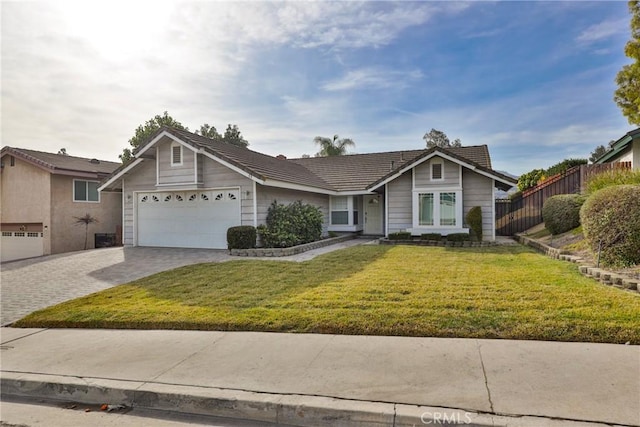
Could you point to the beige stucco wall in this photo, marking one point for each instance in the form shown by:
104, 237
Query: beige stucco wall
25, 195
68, 236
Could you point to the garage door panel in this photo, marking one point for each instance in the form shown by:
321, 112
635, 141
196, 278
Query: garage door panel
187, 219
20, 245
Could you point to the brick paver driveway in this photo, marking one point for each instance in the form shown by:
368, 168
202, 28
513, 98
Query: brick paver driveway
32, 284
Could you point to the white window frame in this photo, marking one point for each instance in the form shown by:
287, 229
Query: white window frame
436, 161
348, 210
86, 181
174, 145
436, 210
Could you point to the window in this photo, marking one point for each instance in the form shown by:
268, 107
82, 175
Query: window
436, 170
438, 209
425, 206
176, 154
448, 209
339, 210
85, 191
355, 213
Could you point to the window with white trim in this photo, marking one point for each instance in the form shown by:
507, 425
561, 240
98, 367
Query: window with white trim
85, 191
437, 170
176, 154
339, 210
438, 209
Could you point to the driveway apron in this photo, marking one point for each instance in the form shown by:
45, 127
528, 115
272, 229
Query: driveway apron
36, 283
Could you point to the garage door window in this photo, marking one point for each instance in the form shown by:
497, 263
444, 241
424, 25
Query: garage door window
85, 191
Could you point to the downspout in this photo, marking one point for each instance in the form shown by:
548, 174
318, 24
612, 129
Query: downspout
255, 204
386, 210
493, 208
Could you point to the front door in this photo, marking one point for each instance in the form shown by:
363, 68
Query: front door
372, 215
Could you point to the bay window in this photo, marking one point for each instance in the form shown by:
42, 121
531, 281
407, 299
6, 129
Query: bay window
437, 209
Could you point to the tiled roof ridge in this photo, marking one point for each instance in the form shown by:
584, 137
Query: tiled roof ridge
25, 151
210, 144
386, 152
21, 152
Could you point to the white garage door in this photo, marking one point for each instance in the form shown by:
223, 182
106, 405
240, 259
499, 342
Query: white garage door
187, 219
20, 245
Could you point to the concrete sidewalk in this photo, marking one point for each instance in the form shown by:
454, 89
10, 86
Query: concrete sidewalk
313, 380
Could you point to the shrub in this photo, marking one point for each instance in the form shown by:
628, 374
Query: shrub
400, 235
611, 216
530, 179
458, 237
474, 219
431, 236
565, 165
612, 177
561, 213
290, 225
241, 237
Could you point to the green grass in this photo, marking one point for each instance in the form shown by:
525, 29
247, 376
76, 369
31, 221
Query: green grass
500, 292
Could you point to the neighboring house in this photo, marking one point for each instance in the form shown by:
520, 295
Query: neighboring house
184, 190
626, 149
41, 193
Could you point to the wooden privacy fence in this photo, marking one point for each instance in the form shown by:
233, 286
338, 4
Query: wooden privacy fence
524, 211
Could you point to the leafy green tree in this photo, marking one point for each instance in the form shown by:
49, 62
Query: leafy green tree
531, 179
63, 152
627, 96
209, 132
600, 151
332, 147
144, 132
233, 136
597, 153
436, 138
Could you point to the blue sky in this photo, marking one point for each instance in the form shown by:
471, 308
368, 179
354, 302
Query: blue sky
532, 80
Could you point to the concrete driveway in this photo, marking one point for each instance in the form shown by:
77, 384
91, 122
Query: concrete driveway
32, 284
36, 283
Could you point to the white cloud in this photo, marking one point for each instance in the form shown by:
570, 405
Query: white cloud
603, 30
373, 78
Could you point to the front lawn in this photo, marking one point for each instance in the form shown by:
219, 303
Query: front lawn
498, 292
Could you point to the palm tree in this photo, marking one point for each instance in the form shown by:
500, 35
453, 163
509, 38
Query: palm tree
85, 220
335, 147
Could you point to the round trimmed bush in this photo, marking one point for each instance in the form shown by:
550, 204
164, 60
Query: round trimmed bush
562, 213
612, 216
241, 237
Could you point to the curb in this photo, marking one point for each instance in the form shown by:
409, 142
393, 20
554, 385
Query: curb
279, 409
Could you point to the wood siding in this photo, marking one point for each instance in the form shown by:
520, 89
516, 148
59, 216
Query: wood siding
143, 178
478, 191
450, 170
167, 174
266, 196
215, 175
399, 199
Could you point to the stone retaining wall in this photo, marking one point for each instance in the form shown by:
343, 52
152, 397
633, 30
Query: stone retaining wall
466, 244
603, 276
294, 250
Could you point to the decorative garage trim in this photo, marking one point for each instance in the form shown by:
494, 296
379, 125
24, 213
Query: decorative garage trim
197, 218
